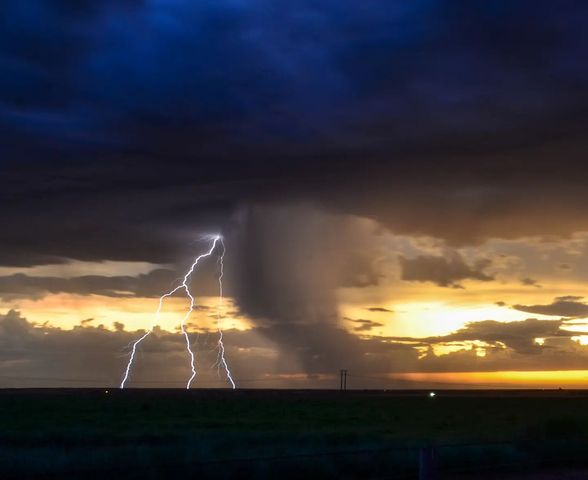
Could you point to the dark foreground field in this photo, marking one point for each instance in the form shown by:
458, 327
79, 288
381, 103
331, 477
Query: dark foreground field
290, 434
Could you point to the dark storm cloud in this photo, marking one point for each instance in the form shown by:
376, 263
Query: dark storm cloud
133, 119
519, 336
129, 128
568, 306
185, 78
287, 261
445, 271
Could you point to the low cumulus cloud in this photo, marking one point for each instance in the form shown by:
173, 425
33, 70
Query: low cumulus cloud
519, 335
272, 355
33, 355
567, 306
364, 325
446, 270
95, 356
530, 282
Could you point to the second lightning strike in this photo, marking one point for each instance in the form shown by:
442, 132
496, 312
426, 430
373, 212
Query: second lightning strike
221, 360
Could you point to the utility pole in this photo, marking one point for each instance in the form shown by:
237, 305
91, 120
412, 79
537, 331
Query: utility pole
343, 381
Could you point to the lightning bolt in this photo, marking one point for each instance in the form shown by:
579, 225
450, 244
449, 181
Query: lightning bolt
221, 361
182, 286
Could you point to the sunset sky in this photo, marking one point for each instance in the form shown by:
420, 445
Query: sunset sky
401, 189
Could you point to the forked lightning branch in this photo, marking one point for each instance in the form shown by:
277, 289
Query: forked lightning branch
184, 286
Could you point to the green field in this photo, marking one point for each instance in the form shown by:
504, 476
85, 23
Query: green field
222, 434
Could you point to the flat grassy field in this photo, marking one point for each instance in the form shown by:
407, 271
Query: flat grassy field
256, 433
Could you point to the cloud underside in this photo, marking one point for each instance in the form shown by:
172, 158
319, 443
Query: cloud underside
152, 284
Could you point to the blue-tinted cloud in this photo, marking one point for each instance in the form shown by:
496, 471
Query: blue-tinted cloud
180, 78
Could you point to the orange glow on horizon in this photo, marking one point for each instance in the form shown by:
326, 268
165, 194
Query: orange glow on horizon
507, 379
